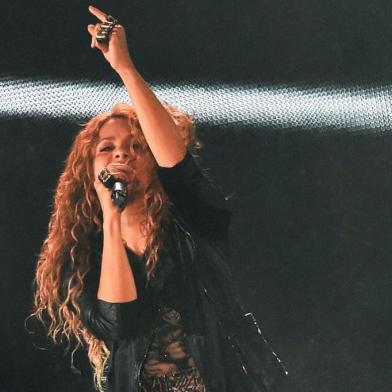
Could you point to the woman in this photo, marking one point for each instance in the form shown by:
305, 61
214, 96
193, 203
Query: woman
146, 287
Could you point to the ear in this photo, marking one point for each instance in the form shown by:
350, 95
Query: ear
185, 134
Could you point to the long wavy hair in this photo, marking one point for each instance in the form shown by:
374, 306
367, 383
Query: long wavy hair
76, 217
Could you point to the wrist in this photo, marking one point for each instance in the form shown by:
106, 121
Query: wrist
112, 218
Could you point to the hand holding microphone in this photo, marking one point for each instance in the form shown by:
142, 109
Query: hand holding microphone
118, 187
114, 181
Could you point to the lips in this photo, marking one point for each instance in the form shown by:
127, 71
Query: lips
122, 172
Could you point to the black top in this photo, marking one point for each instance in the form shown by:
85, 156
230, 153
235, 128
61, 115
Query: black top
168, 352
192, 278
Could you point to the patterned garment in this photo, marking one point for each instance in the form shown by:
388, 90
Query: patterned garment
168, 366
182, 381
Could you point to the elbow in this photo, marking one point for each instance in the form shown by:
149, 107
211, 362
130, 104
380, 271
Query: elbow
173, 159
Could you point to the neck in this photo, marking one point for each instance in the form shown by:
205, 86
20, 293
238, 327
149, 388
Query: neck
131, 217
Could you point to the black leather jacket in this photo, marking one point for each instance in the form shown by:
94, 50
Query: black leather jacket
193, 274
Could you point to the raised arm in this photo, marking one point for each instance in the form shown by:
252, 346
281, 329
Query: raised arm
190, 191
161, 133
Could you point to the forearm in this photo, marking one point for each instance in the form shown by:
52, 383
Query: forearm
160, 131
116, 282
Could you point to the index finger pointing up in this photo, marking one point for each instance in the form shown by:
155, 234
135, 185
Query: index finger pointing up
98, 13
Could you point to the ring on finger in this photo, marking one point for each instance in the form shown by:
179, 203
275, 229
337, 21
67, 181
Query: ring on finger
106, 29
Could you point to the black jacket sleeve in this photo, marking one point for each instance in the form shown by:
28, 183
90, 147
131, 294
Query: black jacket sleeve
106, 320
199, 201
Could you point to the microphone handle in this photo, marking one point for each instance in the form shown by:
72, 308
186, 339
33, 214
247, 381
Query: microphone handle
119, 193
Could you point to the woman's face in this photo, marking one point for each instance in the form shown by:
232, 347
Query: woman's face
124, 157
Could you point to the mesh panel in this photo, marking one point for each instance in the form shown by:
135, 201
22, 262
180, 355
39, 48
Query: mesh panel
365, 107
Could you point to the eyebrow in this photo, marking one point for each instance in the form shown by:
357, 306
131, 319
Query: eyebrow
106, 138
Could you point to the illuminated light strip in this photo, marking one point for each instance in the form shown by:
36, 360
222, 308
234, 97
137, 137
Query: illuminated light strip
367, 107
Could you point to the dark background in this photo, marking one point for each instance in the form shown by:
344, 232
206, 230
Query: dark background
311, 239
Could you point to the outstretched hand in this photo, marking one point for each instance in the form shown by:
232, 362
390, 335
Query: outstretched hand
116, 50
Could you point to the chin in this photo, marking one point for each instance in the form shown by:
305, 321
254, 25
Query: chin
135, 190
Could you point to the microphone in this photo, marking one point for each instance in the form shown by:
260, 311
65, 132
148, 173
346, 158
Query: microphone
118, 187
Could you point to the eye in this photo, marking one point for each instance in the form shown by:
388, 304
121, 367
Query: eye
137, 147
105, 148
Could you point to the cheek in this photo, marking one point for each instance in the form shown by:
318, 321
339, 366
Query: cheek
145, 167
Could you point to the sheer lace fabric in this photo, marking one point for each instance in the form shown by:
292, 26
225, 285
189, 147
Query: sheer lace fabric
168, 366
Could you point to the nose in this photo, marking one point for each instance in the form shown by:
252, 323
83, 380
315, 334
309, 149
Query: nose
123, 155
